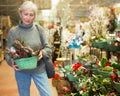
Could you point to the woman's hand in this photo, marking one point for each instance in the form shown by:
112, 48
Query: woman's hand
14, 65
40, 55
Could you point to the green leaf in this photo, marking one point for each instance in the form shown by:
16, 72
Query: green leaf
66, 94
107, 68
103, 61
118, 73
115, 65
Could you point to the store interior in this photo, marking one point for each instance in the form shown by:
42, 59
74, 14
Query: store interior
85, 39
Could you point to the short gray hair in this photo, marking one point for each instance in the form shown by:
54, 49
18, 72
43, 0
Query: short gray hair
28, 5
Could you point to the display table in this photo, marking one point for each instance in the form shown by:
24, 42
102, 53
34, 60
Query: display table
62, 61
106, 46
103, 45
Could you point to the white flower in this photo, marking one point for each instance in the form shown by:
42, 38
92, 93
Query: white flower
12, 49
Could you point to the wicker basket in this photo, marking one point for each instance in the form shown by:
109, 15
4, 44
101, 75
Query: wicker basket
27, 63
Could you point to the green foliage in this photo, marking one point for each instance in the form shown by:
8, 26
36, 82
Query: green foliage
103, 61
107, 68
115, 65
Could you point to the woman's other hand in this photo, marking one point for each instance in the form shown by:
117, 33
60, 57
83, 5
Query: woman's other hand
40, 55
15, 65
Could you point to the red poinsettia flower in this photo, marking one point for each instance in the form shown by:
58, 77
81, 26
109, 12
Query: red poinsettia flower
115, 70
76, 66
57, 76
113, 77
97, 63
55, 64
84, 88
107, 64
112, 93
50, 26
112, 10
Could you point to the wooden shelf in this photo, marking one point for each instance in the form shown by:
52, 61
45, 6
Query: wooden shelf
1, 33
1, 46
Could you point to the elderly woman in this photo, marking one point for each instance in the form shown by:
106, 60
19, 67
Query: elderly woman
27, 31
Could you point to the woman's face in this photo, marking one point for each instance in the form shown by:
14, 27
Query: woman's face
27, 16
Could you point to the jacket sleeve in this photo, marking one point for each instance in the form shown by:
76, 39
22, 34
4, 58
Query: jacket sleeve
9, 43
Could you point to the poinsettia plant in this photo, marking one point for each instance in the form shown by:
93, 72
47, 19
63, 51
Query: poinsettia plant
112, 71
20, 50
115, 75
88, 83
62, 85
111, 67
